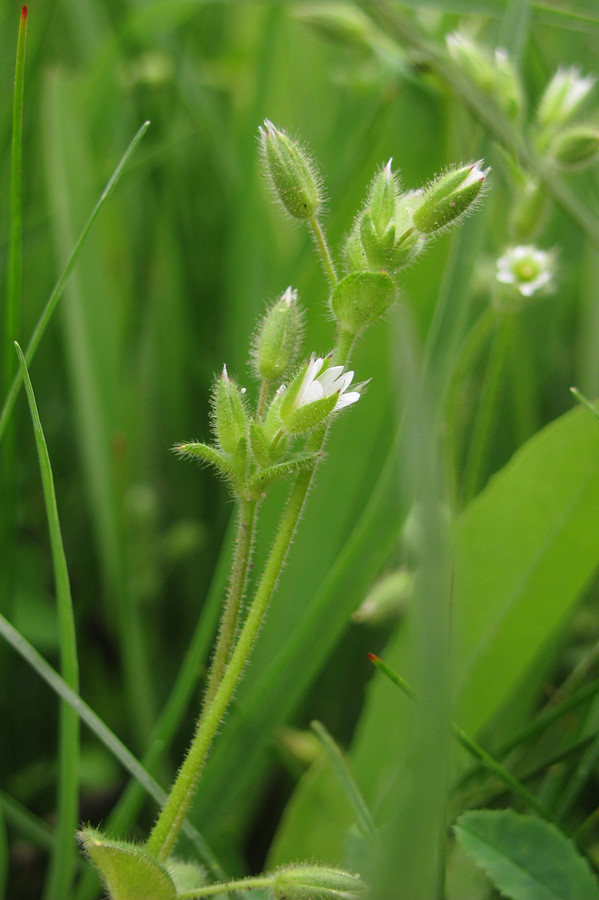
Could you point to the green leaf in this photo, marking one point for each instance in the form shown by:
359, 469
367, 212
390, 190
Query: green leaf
128, 871
525, 857
525, 549
263, 479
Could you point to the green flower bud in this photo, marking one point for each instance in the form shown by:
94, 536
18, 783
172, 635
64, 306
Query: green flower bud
277, 341
229, 413
316, 883
472, 60
387, 599
382, 236
563, 96
576, 147
529, 209
361, 298
291, 172
448, 197
508, 86
318, 390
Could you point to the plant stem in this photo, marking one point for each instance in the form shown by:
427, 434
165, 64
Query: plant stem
323, 251
244, 884
166, 830
484, 418
262, 398
230, 616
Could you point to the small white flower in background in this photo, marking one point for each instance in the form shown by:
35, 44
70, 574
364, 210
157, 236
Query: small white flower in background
527, 268
332, 381
563, 95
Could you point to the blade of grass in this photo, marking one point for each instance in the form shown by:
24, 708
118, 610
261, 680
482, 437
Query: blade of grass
363, 815
586, 403
15, 250
63, 859
102, 732
28, 825
58, 289
3, 854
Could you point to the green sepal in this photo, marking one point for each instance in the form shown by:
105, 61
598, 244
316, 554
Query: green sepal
382, 196
316, 883
361, 298
259, 444
308, 416
128, 870
230, 416
263, 479
278, 338
208, 454
240, 459
447, 198
576, 147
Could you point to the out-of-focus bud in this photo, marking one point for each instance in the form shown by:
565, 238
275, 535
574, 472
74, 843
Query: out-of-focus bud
563, 96
448, 197
291, 172
494, 75
387, 599
230, 417
316, 883
576, 147
529, 209
277, 342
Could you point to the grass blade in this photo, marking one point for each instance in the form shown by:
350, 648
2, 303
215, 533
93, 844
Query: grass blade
102, 732
352, 791
63, 858
56, 294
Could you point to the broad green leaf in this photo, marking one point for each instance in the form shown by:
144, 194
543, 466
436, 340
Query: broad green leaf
525, 549
128, 871
525, 857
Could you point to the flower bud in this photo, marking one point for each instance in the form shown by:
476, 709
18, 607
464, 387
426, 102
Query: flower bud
382, 237
576, 147
318, 390
494, 75
563, 96
361, 298
387, 599
279, 333
291, 172
316, 883
448, 197
229, 413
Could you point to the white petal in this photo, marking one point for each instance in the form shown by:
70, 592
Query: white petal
346, 400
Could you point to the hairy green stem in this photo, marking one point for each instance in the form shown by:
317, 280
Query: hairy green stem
170, 821
244, 884
324, 252
229, 622
262, 398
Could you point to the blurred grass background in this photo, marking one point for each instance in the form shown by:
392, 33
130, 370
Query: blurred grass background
169, 286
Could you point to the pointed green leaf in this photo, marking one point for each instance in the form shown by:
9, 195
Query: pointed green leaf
266, 477
207, 454
525, 857
128, 871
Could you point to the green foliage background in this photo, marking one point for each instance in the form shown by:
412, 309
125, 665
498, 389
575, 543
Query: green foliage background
170, 283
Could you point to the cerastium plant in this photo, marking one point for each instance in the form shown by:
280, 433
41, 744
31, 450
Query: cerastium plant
283, 437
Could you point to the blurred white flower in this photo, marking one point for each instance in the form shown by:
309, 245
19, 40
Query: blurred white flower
563, 95
527, 268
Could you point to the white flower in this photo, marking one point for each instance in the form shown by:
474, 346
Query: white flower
527, 268
563, 95
333, 380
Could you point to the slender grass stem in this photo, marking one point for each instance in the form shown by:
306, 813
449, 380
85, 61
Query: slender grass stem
44, 319
323, 251
63, 858
487, 407
229, 623
15, 250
